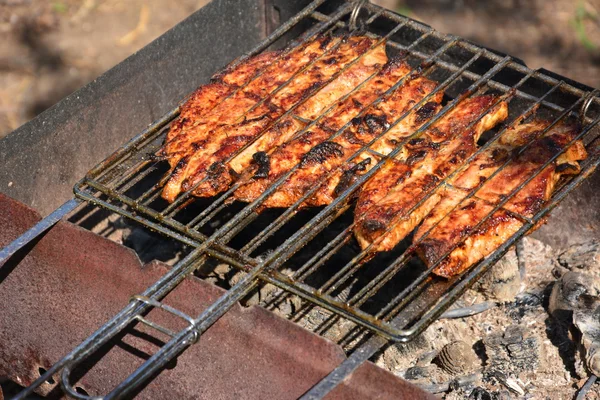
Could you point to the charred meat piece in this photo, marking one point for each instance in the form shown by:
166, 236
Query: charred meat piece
321, 154
295, 151
367, 129
196, 124
234, 106
386, 202
224, 139
459, 225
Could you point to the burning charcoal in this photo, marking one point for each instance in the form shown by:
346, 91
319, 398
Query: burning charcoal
503, 281
587, 319
567, 291
458, 358
584, 256
511, 351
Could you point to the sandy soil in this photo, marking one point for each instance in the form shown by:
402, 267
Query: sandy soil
562, 36
52, 47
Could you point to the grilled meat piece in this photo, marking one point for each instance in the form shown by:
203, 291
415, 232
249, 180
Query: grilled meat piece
479, 169
276, 68
458, 226
386, 202
196, 124
365, 71
208, 96
318, 152
204, 170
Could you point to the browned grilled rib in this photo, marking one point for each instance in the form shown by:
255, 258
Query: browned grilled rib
386, 200
204, 170
317, 155
458, 225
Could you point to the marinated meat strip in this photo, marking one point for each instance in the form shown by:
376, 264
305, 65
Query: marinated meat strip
316, 153
481, 168
458, 226
205, 171
385, 202
340, 113
196, 124
208, 96
200, 120
367, 129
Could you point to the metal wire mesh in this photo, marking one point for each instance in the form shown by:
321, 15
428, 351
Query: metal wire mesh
462, 70
310, 252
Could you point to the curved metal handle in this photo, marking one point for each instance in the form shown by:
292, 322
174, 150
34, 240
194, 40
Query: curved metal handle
352, 23
69, 389
586, 105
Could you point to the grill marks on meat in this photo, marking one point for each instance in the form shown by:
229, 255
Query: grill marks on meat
369, 128
278, 69
235, 113
282, 131
459, 224
292, 152
244, 116
197, 124
207, 97
481, 168
386, 201
373, 122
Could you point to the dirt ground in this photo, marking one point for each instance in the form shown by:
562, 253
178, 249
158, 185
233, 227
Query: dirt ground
562, 36
52, 47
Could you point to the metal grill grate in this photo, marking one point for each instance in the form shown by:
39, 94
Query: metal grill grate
310, 253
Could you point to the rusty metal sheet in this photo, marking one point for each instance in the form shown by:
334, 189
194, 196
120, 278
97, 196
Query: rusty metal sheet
371, 382
72, 281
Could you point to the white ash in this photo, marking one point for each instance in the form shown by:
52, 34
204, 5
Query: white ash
503, 280
584, 257
587, 320
511, 352
541, 363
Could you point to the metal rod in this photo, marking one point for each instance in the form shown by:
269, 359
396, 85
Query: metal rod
159, 289
472, 47
345, 369
586, 387
38, 229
